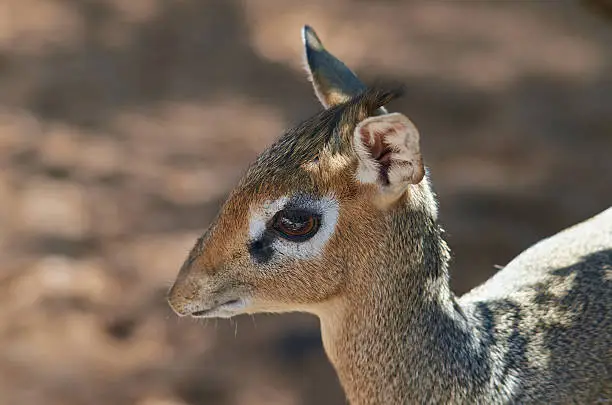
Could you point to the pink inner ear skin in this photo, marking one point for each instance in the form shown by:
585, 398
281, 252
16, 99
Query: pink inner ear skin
380, 151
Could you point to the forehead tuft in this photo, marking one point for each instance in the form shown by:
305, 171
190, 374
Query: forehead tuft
282, 163
281, 166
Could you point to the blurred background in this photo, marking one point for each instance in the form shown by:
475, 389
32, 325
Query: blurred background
124, 124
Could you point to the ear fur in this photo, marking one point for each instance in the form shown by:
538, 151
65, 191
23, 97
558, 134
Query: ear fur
388, 153
334, 83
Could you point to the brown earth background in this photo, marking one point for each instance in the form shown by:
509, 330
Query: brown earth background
124, 124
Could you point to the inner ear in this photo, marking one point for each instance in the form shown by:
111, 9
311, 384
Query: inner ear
380, 150
387, 147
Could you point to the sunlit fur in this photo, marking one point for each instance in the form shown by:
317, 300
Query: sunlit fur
315, 158
540, 331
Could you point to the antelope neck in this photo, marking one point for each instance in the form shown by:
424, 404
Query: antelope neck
401, 330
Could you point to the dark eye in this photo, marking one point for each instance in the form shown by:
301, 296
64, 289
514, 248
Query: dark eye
296, 225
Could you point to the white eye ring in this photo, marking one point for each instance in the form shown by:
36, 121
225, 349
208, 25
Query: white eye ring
328, 209
261, 216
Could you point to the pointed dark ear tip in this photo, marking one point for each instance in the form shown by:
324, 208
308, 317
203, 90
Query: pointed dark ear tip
311, 39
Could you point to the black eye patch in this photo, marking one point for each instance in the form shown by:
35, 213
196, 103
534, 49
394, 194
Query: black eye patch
294, 223
261, 249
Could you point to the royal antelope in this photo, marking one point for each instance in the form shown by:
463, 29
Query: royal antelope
338, 219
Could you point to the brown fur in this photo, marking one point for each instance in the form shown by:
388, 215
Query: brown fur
221, 253
540, 331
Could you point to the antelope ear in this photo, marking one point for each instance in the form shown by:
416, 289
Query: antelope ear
333, 82
388, 153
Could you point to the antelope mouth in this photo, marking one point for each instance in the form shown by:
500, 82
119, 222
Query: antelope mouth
226, 309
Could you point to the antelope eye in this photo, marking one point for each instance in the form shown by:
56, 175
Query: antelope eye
296, 225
